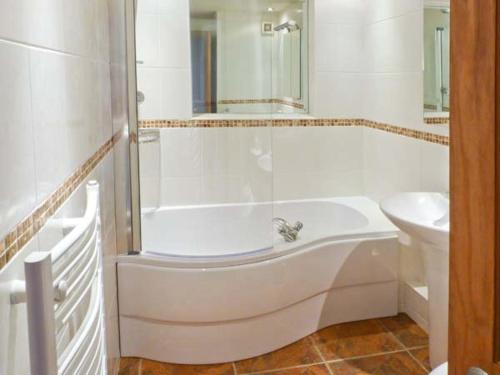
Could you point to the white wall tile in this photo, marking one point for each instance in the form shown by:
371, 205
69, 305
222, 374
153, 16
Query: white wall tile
391, 162
18, 190
38, 22
48, 72
394, 98
317, 185
149, 160
147, 6
14, 344
149, 83
173, 6
380, 10
339, 11
435, 167
79, 25
174, 40
317, 162
181, 191
182, 152
150, 192
147, 39
396, 44
66, 108
338, 95
102, 29
176, 94
339, 47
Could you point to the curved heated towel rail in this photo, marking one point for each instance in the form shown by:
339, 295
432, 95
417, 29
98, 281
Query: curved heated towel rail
63, 291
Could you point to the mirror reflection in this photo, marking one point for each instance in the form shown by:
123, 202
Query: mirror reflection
437, 59
249, 56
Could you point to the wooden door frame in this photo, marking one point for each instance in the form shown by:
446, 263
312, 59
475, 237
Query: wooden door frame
475, 211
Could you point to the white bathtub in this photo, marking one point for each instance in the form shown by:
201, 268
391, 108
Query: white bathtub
232, 289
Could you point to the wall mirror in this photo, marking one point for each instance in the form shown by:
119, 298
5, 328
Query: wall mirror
436, 59
249, 56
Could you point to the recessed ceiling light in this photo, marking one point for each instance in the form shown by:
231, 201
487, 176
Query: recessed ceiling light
270, 9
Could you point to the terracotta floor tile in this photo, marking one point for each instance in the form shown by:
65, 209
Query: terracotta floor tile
355, 339
422, 355
158, 368
129, 366
300, 353
389, 364
310, 370
406, 330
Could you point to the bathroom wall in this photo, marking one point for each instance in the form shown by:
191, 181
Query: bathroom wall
57, 120
393, 90
394, 95
163, 55
207, 166
330, 157
315, 162
337, 79
366, 62
244, 57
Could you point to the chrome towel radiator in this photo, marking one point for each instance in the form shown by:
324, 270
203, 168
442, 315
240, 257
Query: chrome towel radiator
63, 292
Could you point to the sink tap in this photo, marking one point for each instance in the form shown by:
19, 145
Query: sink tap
289, 232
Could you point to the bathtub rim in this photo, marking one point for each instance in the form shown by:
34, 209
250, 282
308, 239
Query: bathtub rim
164, 261
378, 226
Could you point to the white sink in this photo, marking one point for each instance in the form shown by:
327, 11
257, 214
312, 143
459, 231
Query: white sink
425, 216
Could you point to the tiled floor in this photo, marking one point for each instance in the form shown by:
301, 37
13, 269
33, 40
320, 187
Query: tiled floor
389, 346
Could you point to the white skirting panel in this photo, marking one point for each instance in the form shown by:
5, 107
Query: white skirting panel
204, 343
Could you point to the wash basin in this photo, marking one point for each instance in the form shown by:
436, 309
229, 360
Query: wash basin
425, 216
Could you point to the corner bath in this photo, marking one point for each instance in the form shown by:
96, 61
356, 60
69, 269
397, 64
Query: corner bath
203, 294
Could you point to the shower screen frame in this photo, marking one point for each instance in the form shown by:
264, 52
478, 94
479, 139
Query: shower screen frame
130, 17
131, 50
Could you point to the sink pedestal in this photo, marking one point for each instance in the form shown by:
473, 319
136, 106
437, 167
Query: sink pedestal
426, 218
437, 269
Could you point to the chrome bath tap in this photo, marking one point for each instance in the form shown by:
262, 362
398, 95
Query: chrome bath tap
289, 232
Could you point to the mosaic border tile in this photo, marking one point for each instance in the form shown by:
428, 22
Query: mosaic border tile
289, 103
411, 133
221, 123
23, 232
437, 120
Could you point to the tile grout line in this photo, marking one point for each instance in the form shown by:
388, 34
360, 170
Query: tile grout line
365, 356
283, 368
326, 362
417, 361
321, 356
407, 350
392, 334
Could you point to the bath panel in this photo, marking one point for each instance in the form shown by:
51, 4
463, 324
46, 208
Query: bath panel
235, 340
